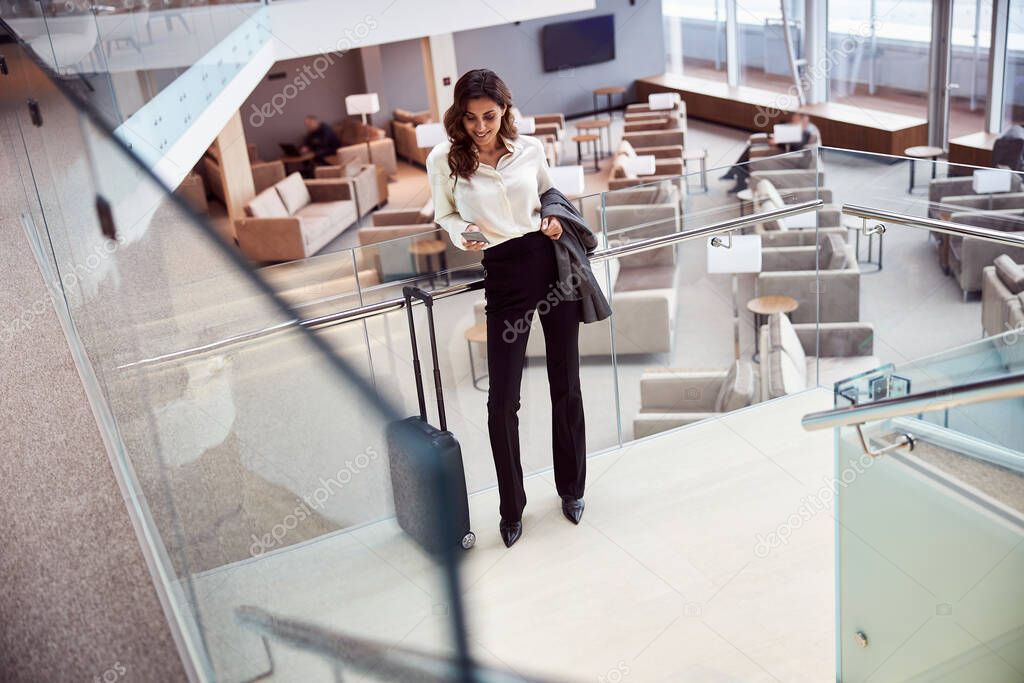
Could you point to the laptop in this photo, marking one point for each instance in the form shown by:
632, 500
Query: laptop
787, 133
289, 149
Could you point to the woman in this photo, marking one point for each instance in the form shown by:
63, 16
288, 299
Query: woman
488, 179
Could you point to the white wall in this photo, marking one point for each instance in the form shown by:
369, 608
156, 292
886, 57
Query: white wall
307, 27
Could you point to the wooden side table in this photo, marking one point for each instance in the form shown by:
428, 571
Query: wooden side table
764, 306
588, 138
429, 248
921, 152
608, 91
602, 126
476, 335
303, 162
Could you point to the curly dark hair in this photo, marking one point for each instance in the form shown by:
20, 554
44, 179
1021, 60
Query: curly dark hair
462, 157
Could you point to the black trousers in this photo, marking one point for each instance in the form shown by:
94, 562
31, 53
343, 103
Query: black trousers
520, 280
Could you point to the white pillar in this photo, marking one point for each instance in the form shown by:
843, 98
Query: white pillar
440, 72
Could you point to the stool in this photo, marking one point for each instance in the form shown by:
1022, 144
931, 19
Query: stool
475, 335
592, 139
607, 91
921, 152
428, 249
764, 306
700, 156
602, 126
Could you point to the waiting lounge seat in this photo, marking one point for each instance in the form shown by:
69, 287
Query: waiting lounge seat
794, 272
673, 397
1002, 295
296, 218
969, 255
788, 361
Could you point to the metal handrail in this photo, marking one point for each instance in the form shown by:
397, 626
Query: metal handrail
935, 225
983, 391
380, 659
396, 304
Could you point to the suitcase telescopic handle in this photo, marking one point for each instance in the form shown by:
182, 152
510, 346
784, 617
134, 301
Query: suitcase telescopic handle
409, 292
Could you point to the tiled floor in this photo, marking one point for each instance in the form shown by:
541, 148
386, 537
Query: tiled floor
666, 578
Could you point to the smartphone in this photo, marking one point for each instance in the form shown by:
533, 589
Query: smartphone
475, 236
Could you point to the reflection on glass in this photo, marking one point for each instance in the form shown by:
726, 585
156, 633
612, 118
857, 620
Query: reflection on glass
695, 37
764, 59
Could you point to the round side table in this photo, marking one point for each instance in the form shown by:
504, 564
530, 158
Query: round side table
764, 306
921, 152
428, 249
593, 141
746, 199
607, 91
475, 335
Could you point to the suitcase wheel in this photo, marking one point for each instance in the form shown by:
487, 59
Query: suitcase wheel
469, 540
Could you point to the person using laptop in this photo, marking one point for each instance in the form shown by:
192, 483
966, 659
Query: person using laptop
320, 139
808, 135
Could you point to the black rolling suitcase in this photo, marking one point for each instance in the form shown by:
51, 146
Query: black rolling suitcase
426, 462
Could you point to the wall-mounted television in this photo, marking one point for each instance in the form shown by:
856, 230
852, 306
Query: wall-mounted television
577, 43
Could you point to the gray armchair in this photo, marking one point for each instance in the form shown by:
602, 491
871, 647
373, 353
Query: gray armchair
969, 255
794, 362
791, 271
941, 188
675, 397
1001, 287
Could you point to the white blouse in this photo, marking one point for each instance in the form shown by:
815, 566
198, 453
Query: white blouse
504, 201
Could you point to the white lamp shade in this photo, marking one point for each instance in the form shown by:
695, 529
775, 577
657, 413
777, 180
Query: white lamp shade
987, 182
430, 134
662, 100
568, 179
744, 256
642, 164
366, 103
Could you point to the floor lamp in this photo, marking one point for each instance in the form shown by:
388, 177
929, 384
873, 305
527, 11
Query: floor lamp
734, 254
366, 103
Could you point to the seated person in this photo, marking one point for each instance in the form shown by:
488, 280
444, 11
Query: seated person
740, 172
321, 140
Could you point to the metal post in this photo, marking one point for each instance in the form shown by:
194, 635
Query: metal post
938, 73
732, 49
997, 66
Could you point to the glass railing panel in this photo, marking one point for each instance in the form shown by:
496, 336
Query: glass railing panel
930, 555
253, 461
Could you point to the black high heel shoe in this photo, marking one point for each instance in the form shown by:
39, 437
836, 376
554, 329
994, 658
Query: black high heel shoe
510, 531
572, 508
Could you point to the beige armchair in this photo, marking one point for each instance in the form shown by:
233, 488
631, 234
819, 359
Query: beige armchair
941, 188
766, 197
651, 123
296, 218
833, 292
969, 255
381, 154
789, 363
678, 108
1001, 287
403, 129
363, 178
656, 138
671, 397
549, 124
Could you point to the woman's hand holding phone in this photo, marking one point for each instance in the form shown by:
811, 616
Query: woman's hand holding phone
472, 245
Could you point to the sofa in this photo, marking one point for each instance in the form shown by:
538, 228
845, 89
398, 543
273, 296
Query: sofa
264, 173
644, 295
969, 255
296, 218
1002, 289
941, 188
403, 129
673, 397
668, 165
775, 233
323, 284
392, 225
794, 272
792, 361
363, 178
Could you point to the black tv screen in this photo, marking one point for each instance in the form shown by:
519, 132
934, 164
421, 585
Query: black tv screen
576, 43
